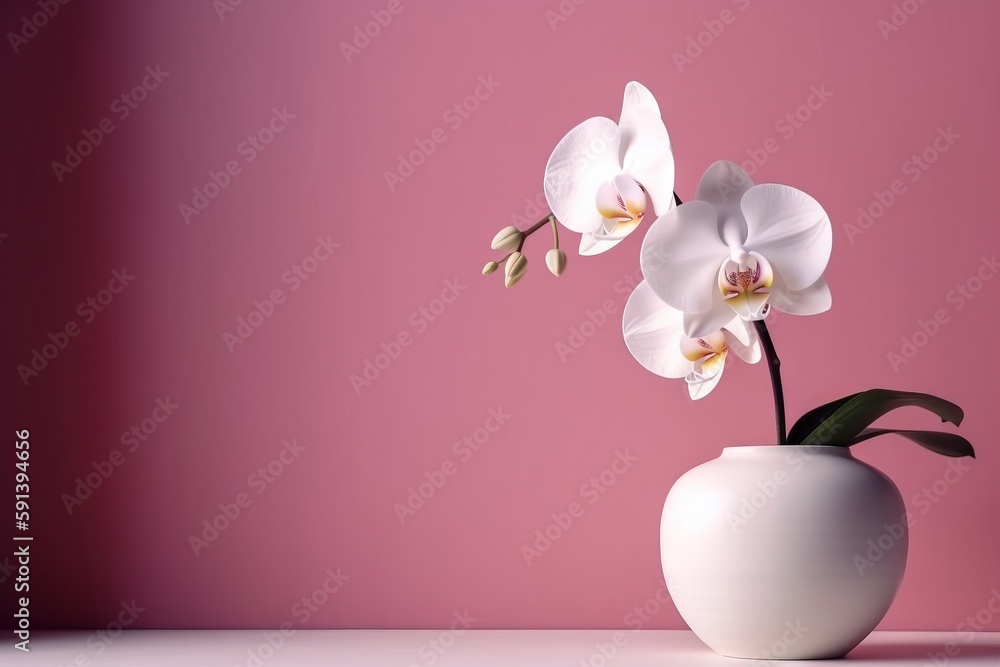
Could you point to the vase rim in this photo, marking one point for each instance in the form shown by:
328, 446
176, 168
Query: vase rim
836, 450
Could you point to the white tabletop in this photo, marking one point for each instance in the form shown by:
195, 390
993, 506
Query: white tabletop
473, 648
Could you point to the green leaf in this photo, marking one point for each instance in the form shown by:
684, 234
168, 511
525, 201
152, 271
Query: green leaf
949, 444
857, 414
811, 420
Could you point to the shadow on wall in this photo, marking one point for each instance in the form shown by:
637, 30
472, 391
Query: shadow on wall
57, 247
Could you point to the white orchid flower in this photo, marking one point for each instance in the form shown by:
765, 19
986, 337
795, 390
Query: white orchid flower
654, 334
599, 174
739, 247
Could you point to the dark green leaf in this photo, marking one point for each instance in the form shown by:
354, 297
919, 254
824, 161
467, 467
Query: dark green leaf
949, 444
808, 422
857, 414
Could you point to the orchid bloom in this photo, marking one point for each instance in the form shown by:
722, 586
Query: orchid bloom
599, 174
654, 334
739, 248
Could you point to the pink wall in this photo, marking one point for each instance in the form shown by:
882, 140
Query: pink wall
398, 253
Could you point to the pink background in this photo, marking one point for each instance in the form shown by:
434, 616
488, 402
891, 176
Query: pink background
324, 176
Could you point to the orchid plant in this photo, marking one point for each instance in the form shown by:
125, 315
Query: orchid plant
713, 268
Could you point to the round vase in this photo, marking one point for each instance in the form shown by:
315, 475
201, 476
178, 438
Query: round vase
788, 552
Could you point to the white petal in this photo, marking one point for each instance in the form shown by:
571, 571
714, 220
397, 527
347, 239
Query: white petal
586, 157
681, 255
703, 388
652, 331
741, 329
647, 158
645, 146
609, 202
791, 230
637, 96
697, 325
723, 186
594, 243
632, 195
749, 351
620, 198
810, 301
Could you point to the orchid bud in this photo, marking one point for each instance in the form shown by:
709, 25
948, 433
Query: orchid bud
555, 259
517, 264
508, 238
490, 268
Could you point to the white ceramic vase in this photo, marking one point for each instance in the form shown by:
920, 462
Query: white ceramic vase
783, 552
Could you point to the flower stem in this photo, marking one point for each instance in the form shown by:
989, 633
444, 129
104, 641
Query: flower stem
774, 366
534, 228
538, 225
677, 199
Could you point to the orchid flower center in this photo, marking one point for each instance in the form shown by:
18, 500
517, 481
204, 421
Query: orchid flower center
707, 354
745, 282
622, 205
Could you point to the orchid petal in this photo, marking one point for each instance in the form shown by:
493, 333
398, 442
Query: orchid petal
749, 352
700, 387
812, 300
723, 185
694, 349
791, 229
618, 198
610, 203
645, 146
681, 254
623, 205
712, 364
652, 331
648, 159
746, 286
637, 96
619, 229
582, 160
741, 330
632, 195
594, 243
701, 324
